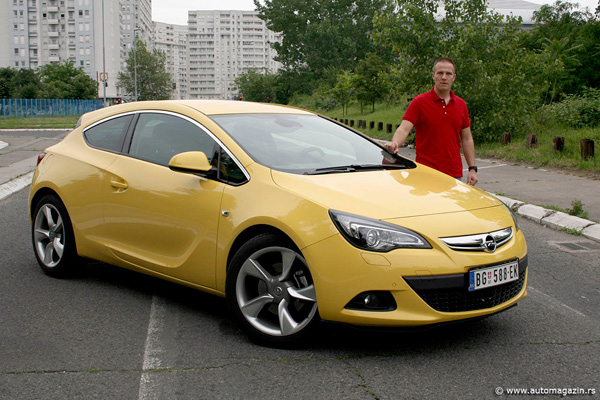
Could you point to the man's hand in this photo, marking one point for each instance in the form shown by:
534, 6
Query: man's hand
472, 178
391, 147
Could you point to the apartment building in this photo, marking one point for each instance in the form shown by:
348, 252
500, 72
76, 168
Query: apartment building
172, 40
88, 32
221, 46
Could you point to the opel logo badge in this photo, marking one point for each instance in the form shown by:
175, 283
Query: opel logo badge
490, 244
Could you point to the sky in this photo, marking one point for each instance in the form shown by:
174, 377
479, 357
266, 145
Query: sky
175, 11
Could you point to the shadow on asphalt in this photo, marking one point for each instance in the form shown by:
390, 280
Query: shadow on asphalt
344, 340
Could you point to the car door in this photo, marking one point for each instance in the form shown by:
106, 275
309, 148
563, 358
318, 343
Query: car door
158, 219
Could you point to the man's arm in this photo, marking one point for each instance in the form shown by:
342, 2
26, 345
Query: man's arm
399, 136
468, 148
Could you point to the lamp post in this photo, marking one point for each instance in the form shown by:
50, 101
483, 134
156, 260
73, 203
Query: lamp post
135, 62
103, 57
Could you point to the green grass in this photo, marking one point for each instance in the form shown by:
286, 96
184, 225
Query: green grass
540, 156
39, 123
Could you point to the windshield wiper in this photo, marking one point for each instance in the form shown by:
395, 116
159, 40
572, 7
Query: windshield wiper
354, 168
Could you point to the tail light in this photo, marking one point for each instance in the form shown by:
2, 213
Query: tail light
40, 158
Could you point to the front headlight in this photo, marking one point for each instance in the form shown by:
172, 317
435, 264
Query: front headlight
370, 234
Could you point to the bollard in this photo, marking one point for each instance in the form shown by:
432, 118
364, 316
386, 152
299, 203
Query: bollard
351, 123
531, 140
389, 128
380, 126
506, 138
587, 149
346, 121
558, 143
372, 125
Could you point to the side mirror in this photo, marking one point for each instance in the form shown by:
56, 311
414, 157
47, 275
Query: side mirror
191, 162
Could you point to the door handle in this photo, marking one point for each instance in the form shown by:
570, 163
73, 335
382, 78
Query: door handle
119, 184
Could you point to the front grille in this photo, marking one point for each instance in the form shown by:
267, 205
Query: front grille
450, 293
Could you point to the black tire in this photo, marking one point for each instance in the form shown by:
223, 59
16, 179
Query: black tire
52, 237
270, 292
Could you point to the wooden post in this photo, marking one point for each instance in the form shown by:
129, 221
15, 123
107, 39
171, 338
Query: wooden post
372, 125
351, 122
380, 126
558, 143
531, 140
389, 128
587, 149
506, 138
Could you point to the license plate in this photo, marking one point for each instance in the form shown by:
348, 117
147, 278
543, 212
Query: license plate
493, 276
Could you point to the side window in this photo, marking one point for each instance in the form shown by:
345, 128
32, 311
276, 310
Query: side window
229, 171
158, 137
108, 135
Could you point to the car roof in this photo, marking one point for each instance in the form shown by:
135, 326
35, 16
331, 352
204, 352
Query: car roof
216, 107
206, 107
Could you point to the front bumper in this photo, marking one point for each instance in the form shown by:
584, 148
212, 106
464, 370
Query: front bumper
428, 286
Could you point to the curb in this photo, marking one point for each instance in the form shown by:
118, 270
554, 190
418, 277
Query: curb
553, 219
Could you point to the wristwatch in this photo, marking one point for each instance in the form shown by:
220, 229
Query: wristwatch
474, 167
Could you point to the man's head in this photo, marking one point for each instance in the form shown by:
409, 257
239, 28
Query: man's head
444, 74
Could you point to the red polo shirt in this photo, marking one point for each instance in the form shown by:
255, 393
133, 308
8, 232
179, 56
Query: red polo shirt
437, 127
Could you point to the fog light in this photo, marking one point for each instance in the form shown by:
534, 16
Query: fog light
373, 301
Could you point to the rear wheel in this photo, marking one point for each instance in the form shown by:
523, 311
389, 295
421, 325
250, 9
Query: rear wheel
52, 236
270, 291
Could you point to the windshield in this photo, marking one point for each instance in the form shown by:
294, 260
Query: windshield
306, 144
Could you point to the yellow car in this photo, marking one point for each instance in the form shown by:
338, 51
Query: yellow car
291, 216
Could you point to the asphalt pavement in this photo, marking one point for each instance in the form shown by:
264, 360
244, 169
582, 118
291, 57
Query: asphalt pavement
533, 193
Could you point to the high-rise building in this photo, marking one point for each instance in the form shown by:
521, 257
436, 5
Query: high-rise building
221, 46
91, 33
172, 40
136, 21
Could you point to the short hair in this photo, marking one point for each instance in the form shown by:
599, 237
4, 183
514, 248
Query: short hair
444, 59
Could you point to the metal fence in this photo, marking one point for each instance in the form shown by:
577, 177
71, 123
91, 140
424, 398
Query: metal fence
32, 108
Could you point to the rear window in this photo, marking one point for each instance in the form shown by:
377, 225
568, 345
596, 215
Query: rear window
108, 135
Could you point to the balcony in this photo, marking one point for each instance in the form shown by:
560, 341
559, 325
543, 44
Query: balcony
53, 34
54, 58
52, 9
53, 21
54, 46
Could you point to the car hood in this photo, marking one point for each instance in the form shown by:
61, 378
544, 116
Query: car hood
388, 194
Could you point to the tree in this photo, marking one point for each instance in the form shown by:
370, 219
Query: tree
6, 82
21, 83
500, 80
369, 80
255, 86
344, 91
146, 70
321, 34
571, 38
64, 81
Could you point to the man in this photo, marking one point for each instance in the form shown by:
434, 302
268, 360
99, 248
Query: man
442, 126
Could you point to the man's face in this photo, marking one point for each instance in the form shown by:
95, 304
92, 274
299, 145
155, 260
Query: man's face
443, 76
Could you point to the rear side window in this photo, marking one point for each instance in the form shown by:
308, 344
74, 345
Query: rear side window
108, 135
158, 137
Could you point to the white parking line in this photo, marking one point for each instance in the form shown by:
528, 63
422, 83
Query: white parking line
3, 144
153, 350
554, 302
15, 185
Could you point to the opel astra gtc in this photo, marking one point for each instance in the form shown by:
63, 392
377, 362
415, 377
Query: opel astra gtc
291, 216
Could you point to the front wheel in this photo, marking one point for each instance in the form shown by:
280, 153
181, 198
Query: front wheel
271, 293
52, 236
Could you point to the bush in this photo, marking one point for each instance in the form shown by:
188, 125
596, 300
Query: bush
575, 111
